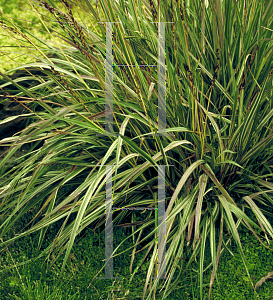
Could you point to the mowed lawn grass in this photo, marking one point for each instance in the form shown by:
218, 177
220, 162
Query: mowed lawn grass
35, 280
21, 13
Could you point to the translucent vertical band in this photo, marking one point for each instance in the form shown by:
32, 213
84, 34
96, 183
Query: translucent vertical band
109, 81
161, 223
108, 227
161, 80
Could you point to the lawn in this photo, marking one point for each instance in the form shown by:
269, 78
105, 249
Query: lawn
34, 281
21, 13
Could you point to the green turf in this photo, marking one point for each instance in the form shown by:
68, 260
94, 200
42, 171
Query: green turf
34, 281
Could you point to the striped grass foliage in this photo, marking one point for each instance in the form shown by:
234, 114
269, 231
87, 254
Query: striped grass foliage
219, 127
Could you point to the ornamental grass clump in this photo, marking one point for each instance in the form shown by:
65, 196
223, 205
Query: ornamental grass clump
218, 144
